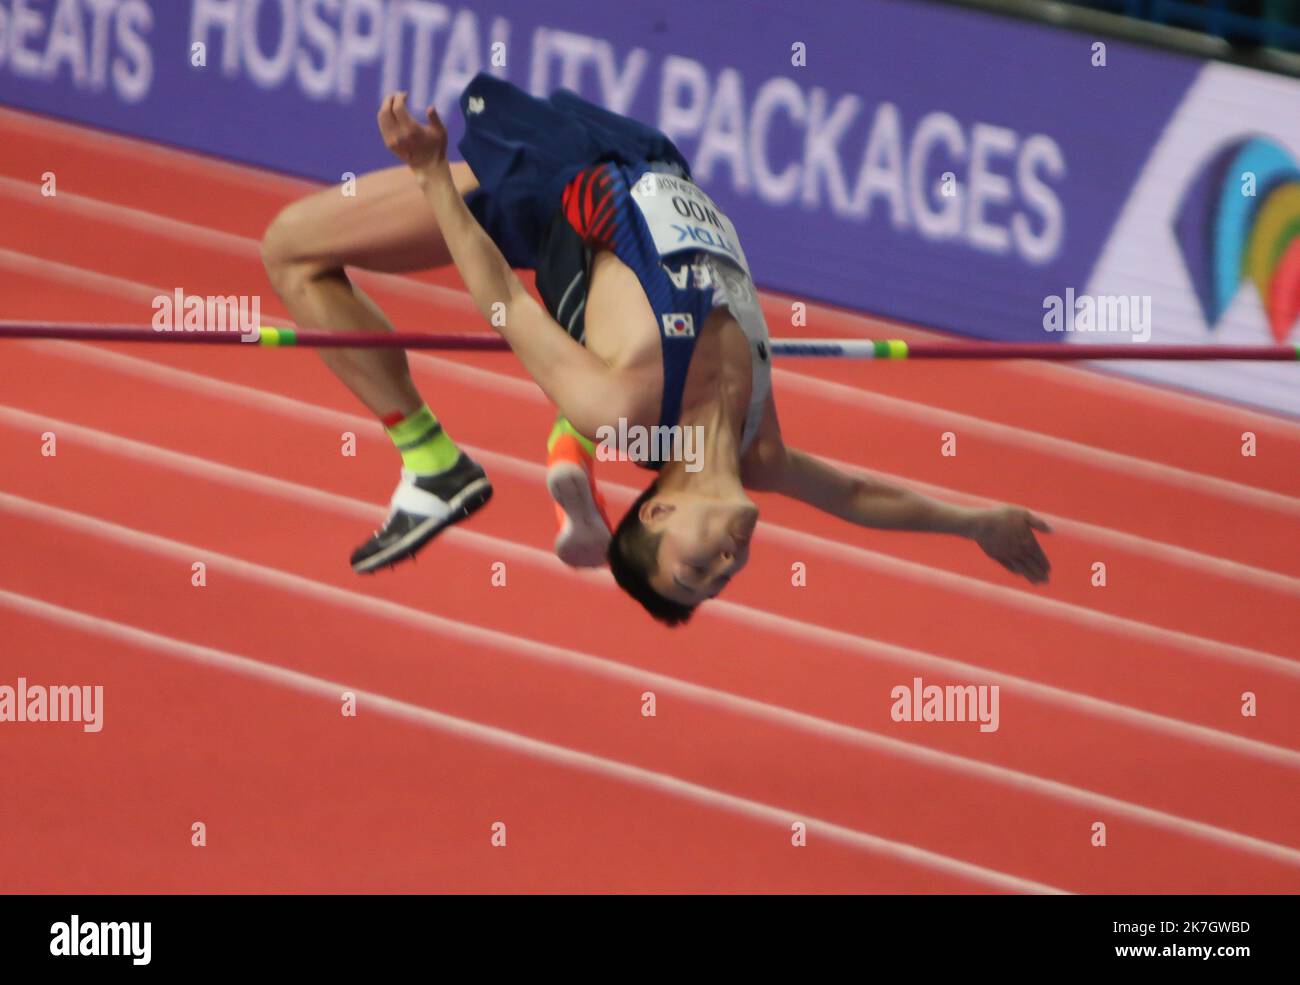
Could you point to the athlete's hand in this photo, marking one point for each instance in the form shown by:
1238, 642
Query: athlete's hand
1006, 534
422, 146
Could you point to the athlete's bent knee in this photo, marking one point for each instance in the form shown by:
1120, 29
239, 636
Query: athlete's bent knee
284, 251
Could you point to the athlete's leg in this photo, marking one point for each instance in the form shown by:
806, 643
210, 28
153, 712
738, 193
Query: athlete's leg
387, 226
583, 531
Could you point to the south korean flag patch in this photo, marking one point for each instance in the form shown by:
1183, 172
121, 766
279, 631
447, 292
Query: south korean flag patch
679, 325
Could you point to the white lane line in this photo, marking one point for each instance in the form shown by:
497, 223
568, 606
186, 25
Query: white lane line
858, 324
1092, 377
1207, 564
514, 742
811, 386
861, 557
481, 636
801, 632
521, 389
231, 244
1178, 479
150, 153
1210, 565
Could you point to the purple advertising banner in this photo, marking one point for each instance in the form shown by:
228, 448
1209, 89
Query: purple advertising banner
911, 159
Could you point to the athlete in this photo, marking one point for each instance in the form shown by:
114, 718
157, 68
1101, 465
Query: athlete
648, 317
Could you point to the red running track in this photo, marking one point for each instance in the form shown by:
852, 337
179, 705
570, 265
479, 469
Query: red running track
522, 703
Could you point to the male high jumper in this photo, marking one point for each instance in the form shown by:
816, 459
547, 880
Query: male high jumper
649, 317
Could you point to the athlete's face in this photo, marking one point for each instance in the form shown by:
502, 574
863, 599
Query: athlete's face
705, 542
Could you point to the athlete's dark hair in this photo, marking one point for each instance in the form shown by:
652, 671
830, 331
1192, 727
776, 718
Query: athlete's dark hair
634, 557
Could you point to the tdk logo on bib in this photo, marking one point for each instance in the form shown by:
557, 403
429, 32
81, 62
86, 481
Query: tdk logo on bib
680, 216
679, 324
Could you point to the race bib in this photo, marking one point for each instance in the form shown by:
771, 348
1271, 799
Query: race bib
681, 216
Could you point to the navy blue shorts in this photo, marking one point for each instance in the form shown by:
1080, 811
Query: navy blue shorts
524, 150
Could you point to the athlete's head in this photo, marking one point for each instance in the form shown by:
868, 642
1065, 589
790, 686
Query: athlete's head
675, 549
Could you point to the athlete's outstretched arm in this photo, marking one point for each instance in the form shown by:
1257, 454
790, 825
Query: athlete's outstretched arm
1005, 533
584, 388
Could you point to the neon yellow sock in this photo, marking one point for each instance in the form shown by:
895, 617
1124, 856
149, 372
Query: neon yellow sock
562, 427
424, 445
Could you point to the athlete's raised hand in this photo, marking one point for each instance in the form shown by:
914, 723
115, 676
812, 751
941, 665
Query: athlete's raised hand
422, 146
1006, 534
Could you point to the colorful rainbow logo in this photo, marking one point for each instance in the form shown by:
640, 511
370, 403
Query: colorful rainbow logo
1227, 235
